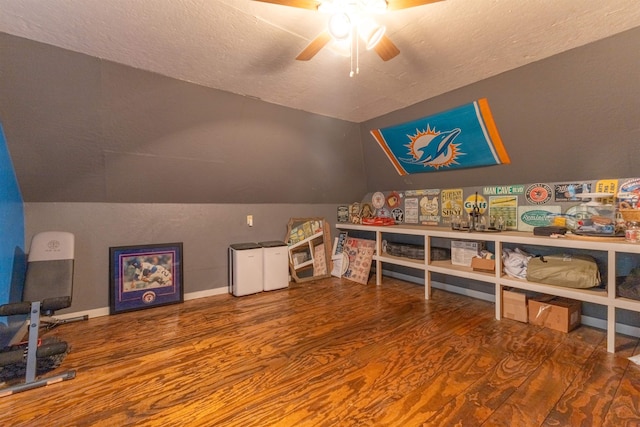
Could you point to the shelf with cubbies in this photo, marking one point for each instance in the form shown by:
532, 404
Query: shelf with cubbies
614, 254
308, 250
305, 248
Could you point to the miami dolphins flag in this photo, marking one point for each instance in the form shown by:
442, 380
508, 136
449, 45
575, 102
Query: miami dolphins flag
464, 137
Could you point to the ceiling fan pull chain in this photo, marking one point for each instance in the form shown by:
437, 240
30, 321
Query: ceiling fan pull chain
355, 40
351, 54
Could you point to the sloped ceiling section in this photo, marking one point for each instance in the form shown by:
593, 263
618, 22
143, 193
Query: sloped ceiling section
155, 101
248, 47
81, 129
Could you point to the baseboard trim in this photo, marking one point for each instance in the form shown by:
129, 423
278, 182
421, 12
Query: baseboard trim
104, 311
207, 293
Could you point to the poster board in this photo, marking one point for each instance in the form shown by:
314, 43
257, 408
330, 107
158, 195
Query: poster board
359, 256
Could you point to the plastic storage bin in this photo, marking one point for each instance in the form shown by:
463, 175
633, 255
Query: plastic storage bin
245, 269
275, 261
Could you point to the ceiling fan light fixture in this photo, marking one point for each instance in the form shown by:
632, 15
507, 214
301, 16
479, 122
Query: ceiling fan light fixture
340, 26
371, 32
341, 47
374, 6
375, 36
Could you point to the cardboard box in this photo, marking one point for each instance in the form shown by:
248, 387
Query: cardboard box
514, 305
462, 252
483, 264
560, 314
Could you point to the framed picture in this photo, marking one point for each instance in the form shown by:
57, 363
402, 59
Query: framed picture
145, 276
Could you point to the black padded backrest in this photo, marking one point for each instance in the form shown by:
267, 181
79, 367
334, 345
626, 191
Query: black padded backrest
50, 282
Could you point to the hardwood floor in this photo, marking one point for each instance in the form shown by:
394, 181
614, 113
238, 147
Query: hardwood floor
333, 353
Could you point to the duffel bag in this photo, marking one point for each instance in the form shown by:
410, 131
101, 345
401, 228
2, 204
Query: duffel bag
569, 271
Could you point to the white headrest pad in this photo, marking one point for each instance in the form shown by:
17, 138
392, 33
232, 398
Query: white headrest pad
52, 245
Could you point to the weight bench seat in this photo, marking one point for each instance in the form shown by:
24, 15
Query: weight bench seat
49, 275
48, 287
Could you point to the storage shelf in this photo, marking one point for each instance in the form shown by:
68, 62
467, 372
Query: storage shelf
305, 245
307, 240
610, 246
626, 303
593, 295
397, 260
303, 264
445, 267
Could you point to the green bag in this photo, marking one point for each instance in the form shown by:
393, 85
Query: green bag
569, 271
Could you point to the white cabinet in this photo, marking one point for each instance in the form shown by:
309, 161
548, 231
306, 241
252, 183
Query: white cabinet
610, 249
245, 269
275, 265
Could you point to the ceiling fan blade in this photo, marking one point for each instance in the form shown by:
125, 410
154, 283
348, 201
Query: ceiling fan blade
405, 4
314, 47
386, 49
301, 4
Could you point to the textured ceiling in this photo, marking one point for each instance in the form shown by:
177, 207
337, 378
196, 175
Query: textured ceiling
248, 47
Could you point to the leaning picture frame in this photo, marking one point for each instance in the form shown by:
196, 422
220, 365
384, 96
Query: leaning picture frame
144, 276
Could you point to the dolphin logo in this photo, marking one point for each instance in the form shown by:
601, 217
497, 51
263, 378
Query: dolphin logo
437, 147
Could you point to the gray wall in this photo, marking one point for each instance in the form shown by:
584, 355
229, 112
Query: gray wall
80, 129
574, 116
206, 230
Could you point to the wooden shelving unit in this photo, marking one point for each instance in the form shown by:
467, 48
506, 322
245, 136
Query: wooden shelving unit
612, 247
305, 246
308, 241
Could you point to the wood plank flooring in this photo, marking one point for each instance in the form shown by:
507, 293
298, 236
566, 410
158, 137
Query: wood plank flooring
333, 353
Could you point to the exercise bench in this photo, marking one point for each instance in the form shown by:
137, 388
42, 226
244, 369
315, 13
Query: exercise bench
48, 287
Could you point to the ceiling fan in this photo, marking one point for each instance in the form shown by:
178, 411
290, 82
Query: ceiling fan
350, 19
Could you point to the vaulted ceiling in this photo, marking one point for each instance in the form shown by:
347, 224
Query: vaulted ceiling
249, 47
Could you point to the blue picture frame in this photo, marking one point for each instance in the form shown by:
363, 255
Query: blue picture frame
145, 276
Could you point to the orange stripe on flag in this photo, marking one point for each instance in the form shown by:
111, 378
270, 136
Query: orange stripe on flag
378, 137
493, 131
